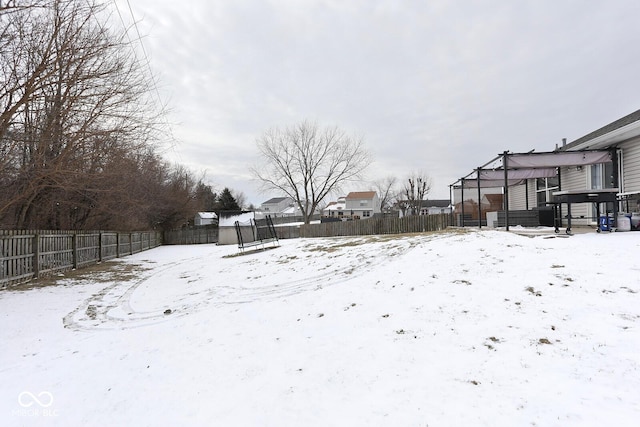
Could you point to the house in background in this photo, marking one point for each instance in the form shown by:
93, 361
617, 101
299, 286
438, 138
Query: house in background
435, 207
599, 172
355, 205
362, 204
426, 207
470, 209
622, 138
621, 170
278, 206
205, 218
335, 209
491, 203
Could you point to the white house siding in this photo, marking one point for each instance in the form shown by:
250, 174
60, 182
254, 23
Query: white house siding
517, 199
631, 165
360, 205
575, 179
518, 196
275, 208
533, 197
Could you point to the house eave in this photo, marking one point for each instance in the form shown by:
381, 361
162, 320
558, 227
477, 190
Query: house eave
609, 139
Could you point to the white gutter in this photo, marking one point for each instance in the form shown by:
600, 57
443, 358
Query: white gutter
608, 139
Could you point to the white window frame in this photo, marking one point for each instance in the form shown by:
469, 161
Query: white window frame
546, 189
600, 170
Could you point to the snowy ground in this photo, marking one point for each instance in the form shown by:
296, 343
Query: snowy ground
478, 328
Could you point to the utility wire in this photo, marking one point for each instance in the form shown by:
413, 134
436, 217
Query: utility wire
146, 59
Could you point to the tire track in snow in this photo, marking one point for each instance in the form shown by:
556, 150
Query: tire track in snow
111, 308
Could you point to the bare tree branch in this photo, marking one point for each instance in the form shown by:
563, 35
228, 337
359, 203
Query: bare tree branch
388, 191
416, 189
78, 124
306, 162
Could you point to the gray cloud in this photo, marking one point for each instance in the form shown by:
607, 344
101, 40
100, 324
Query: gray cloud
437, 86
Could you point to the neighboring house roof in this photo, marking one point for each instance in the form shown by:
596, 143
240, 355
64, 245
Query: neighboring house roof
276, 200
335, 206
207, 215
493, 198
467, 202
290, 210
438, 203
435, 203
616, 128
361, 195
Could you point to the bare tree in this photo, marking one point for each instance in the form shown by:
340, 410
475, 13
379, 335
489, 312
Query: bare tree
77, 119
307, 162
241, 198
416, 188
388, 191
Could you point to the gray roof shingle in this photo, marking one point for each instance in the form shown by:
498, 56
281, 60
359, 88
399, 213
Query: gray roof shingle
628, 119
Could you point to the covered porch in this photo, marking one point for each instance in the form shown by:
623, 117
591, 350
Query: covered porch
511, 174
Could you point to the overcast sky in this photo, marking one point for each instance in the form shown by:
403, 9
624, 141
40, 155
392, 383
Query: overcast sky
437, 86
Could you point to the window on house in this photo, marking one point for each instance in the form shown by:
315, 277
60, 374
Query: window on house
600, 177
366, 213
340, 213
544, 189
363, 202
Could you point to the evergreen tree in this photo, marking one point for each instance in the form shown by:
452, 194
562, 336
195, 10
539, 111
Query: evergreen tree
226, 201
205, 198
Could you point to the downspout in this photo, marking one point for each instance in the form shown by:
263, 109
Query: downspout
462, 199
479, 205
616, 182
505, 157
451, 214
559, 204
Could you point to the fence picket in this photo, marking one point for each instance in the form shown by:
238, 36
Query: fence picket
27, 254
365, 227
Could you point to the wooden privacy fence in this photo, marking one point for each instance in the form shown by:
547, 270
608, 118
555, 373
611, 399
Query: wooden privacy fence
365, 227
191, 236
288, 232
25, 255
209, 234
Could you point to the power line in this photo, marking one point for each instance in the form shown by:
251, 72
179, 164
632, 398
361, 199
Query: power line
146, 59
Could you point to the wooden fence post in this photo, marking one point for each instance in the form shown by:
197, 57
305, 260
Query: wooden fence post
74, 250
36, 255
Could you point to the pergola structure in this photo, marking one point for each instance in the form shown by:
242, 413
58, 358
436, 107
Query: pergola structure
515, 168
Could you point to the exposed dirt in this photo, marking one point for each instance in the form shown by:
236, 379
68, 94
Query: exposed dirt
101, 273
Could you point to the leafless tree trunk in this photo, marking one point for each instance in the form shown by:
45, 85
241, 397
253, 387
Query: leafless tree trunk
387, 189
78, 120
306, 162
416, 188
241, 198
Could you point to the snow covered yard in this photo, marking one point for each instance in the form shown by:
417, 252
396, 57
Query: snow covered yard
455, 328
